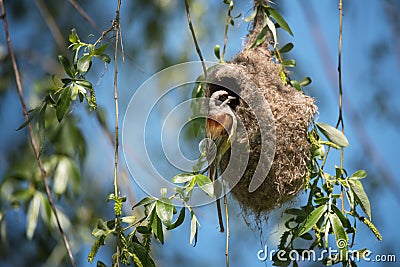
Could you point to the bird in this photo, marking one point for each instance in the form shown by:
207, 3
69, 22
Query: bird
220, 131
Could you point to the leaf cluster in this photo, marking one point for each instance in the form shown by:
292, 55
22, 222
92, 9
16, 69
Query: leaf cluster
65, 146
333, 204
273, 20
133, 234
22, 187
74, 86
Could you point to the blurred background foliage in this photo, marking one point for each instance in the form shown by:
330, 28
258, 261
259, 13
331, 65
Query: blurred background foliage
78, 153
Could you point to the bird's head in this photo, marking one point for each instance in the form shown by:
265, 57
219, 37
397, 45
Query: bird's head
221, 97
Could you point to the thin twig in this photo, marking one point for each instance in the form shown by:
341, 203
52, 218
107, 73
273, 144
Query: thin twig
85, 15
194, 38
31, 135
116, 25
228, 20
340, 119
51, 23
228, 233
104, 33
370, 150
116, 192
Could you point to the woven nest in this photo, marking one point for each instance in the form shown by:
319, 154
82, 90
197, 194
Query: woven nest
292, 112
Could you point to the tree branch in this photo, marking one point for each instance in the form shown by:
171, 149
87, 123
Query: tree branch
85, 15
31, 136
370, 150
54, 29
194, 38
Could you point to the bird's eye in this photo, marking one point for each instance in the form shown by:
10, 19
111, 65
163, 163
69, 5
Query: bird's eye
222, 98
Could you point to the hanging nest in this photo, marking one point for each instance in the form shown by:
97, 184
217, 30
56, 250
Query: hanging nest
292, 112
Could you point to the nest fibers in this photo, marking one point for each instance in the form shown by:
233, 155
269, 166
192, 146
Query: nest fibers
292, 112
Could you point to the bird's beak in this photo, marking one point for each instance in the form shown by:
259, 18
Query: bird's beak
231, 97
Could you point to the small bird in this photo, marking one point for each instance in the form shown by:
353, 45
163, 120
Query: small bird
220, 129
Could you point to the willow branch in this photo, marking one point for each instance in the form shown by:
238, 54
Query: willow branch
116, 27
340, 119
228, 231
85, 15
51, 23
31, 135
367, 144
116, 156
228, 20
194, 38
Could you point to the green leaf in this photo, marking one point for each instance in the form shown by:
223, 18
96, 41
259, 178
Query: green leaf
104, 57
165, 210
156, 226
340, 235
101, 229
360, 196
272, 29
252, 15
163, 192
100, 50
289, 63
99, 263
321, 200
286, 48
193, 228
260, 37
296, 85
191, 186
143, 255
23, 125
84, 83
84, 63
331, 144
143, 229
360, 174
279, 19
91, 48
128, 219
311, 220
33, 113
145, 201
46, 207
182, 178
67, 65
76, 89
350, 197
61, 175
178, 221
42, 127
332, 134
345, 221
73, 37
217, 52
306, 236
205, 184
32, 215
297, 212
306, 81
75, 46
63, 103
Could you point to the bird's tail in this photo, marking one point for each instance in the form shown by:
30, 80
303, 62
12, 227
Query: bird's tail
212, 173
